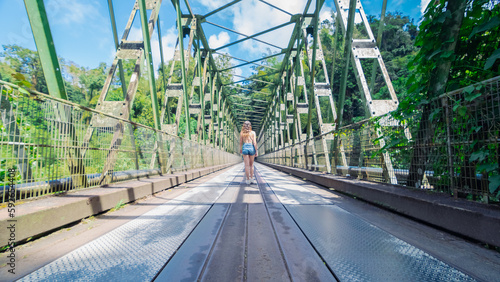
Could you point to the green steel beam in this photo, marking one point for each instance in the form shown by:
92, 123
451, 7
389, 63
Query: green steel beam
149, 60
248, 114
313, 67
239, 33
275, 7
189, 7
247, 79
257, 34
246, 89
55, 83
202, 86
379, 44
296, 119
183, 68
262, 75
248, 105
335, 44
250, 62
45, 47
245, 98
220, 9
163, 67
347, 57
117, 45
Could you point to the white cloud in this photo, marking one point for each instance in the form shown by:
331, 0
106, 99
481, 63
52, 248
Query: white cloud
325, 14
251, 17
423, 5
216, 41
168, 43
135, 34
73, 11
238, 71
213, 4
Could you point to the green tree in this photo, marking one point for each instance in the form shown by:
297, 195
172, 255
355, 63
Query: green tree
26, 62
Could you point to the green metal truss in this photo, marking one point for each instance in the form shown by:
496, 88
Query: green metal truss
199, 93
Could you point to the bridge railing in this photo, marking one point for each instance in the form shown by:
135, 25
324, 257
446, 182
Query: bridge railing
449, 145
43, 147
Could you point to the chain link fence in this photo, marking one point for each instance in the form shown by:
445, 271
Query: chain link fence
449, 145
53, 147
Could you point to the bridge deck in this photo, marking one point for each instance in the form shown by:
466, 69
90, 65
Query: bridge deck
282, 229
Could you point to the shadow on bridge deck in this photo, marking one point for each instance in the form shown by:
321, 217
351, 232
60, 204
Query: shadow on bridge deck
218, 229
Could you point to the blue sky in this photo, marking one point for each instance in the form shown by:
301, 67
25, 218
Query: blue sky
82, 31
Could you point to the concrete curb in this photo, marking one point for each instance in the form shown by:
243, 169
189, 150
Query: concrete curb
477, 221
46, 214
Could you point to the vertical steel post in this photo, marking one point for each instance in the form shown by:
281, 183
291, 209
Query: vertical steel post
347, 57
379, 44
202, 86
152, 84
313, 67
45, 47
149, 60
163, 68
117, 45
183, 68
335, 43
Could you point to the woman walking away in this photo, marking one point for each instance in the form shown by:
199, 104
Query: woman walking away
248, 147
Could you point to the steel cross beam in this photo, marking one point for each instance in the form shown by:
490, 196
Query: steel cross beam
257, 34
183, 67
248, 105
249, 62
239, 33
253, 62
220, 9
246, 89
258, 76
247, 79
246, 98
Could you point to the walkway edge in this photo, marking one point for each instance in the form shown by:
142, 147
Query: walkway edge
470, 219
46, 214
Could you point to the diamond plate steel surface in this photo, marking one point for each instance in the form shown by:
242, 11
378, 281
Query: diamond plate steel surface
137, 250
133, 252
188, 261
358, 251
289, 190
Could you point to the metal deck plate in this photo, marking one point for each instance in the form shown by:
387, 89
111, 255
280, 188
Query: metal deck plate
303, 262
188, 261
291, 191
358, 251
137, 250
354, 249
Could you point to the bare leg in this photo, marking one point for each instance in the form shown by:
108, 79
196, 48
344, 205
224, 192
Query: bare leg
246, 159
250, 164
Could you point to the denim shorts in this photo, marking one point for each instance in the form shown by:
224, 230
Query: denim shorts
248, 149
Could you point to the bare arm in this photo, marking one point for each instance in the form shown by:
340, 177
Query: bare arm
254, 140
241, 145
